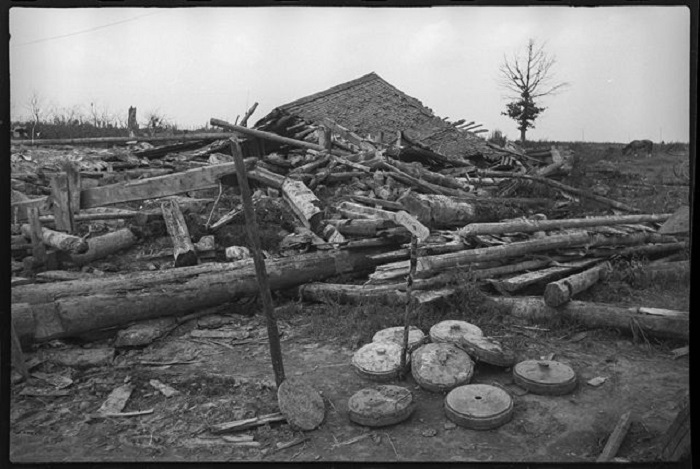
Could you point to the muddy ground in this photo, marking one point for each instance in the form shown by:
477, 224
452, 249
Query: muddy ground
225, 380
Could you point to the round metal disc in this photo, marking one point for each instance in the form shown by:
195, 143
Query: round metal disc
378, 361
544, 377
381, 405
395, 335
487, 350
302, 405
479, 406
453, 331
441, 367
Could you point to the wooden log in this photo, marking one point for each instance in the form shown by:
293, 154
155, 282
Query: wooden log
615, 441
304, 203
428, 264
565, 188
666, 272
385, 204
418, 184
183, 250
266, 177
313, 166
97, 213
400, 218
59, 240
265, 135
68, 309
561, 291
161, 151
514, 284
658, 323
441, 211
417, 170
194, 179
640, 251
342, 176
105, 245
347, 134
361, 227
117, 140
531, 226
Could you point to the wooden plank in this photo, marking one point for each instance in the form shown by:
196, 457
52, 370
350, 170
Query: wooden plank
62, 211
616, 438
183, 250
160, 186
38, 248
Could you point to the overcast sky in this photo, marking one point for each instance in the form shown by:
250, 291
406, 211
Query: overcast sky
628, 67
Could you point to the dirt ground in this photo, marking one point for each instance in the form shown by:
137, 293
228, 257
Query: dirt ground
223, 381
231, 383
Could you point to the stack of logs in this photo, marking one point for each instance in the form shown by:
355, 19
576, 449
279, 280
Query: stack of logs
378, 193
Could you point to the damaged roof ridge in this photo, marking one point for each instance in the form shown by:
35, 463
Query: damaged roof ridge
372, 76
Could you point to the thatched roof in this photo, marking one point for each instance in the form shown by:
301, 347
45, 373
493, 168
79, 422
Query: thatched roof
369, 104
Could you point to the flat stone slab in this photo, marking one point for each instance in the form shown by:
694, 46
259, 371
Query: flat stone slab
453, 331
441, 367
479, 406
547, 377
378, 361
301, 405
381, 405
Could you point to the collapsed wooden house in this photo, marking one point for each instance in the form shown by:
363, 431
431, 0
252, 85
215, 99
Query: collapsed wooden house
371, 107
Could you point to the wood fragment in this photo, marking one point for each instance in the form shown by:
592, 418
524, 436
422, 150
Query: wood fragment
561, 291
183, 250
616, 438
36, 235
675, 443
59, 240
245, 424
103, 246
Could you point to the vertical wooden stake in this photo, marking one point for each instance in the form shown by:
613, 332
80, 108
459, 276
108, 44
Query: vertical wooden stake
38, 248
260, 270
62, 212
409, 301
73, 190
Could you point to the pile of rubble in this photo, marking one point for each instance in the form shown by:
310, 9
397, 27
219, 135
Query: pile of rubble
358, 197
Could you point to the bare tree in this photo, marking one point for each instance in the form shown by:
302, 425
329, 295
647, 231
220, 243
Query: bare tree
35, 107
528, 78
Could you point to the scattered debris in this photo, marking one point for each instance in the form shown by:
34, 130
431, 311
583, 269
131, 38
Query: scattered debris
597, 381
117, 399
164, 389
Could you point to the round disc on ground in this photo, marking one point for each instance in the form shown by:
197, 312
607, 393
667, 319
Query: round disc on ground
479, 406
301, 405
453, 331
378, 361
381, 405
544, 377
487, 350
395, 335
441, 367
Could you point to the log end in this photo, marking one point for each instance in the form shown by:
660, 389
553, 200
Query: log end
556, 294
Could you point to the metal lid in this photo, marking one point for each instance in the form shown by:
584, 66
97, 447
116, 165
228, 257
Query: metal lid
453, 331
479, 406
487, 350
545, 377
379, 361
301, 405
441, 367
381, 405
395, 335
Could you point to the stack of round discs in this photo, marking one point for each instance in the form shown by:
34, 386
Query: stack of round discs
441, 367
544, 377
395, 335
479, 406
378, 361
381, 405
486, 350
453, 331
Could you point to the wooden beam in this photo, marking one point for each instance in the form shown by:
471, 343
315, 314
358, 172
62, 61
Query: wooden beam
160, 186
249, 112
62, 210
92, 141
38, 248
265, 135
183, 250
616, 438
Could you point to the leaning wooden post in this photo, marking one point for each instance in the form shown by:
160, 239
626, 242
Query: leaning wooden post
409, 301
38, 248
183, 250
260, 270
65, 192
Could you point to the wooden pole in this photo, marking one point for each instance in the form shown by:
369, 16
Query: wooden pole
260, 270
244, 121
38, 248
62, 211
409, 302
561, 291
